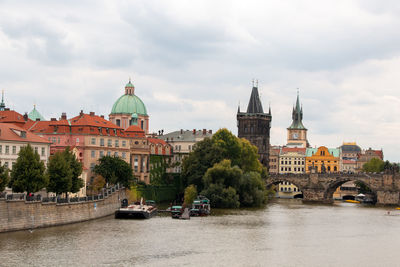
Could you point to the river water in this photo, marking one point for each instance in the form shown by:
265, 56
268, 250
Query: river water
285, 233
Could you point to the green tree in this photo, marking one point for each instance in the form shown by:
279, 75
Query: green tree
28, 172
374, 165
76, 170
229, 144
221, 197
223, 173
115, 170
4, 178
249, 157
97, 184
190, 194
59, 173
252, 191
204, 156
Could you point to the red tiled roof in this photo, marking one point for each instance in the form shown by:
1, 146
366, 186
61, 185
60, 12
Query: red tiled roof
157, 141
293, 149
9, 132
12, 116
134, 131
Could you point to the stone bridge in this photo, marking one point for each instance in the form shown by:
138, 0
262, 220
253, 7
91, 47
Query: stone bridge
319, 187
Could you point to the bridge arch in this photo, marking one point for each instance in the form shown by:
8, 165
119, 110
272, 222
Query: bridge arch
282, 180
331, 188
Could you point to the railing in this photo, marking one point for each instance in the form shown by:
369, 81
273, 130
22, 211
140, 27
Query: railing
38, 198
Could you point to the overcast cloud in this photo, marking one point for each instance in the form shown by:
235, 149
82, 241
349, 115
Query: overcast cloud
192, 62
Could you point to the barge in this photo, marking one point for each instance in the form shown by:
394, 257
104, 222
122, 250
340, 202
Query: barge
138, 210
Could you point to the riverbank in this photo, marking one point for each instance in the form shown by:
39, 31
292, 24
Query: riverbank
22, 215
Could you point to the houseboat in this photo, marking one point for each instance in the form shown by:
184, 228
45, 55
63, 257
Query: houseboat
136, 211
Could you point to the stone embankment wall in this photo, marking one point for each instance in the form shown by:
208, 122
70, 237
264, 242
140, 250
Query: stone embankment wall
20, 214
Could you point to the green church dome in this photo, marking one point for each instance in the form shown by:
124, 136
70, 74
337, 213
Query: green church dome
129, 103
35, 115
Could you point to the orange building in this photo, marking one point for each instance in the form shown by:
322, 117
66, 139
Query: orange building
323, 159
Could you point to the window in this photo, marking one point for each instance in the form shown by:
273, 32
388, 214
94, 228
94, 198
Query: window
116, 143
14, 150
123, 155
109, 142
108, 153
93, 153
1, 149
101, 154
101, 142
36, 150
141, 124
7, 149
6, 164
124, 143
77, 140
93, 141
43, 151
118, 122
92, 166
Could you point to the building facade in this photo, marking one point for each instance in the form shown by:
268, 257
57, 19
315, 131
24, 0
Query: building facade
182, 143
366, 156
274, 159
292, 160
323, 159
254, 125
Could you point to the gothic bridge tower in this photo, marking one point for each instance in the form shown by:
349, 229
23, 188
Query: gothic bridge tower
254, 125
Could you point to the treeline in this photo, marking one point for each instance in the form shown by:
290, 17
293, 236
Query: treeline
62, 175
226, 170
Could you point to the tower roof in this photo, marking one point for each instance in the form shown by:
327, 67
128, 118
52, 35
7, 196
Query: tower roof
2, 104
129, 103
297, 116
255, 105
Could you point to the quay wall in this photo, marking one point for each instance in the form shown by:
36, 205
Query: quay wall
20, 214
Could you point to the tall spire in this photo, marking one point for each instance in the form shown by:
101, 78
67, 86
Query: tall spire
255, 105
297, 115
2, 104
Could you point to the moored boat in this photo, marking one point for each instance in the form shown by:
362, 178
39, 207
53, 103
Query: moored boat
176, 212
352, 201
200, 207
136, 211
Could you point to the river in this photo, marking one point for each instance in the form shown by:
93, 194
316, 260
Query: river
285, 233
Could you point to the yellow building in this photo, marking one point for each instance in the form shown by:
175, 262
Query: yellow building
323, 158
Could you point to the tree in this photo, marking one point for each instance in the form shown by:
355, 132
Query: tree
115, 170
60, 174
76, 170
252, 191
221, 197
249, 157
223, 173
28, 172
204, 156
374, 165
190, 194
97, 184
4, 178
229, 144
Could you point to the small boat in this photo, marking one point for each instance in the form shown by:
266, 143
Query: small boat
136, 211
200, 207
176, 212
352, 201
398, 208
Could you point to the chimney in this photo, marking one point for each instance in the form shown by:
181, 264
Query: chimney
204, 131
63, 116
181, 131
26, 116
53, 119
91, 113
210, 131
194, 131
102, 116
81, 113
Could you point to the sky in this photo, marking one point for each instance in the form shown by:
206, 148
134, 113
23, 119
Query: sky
193, 62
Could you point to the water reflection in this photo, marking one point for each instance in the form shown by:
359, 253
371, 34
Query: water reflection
285, 233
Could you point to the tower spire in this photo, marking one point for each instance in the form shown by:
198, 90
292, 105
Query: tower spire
2, 104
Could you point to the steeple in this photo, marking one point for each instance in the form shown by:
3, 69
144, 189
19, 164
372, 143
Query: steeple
255, 105
297, 115
2, 104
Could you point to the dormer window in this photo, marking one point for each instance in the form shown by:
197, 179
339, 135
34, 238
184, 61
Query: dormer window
23, 134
